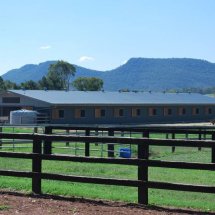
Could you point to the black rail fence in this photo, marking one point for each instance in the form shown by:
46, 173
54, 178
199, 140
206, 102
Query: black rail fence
170, 132
142, 161
167, 132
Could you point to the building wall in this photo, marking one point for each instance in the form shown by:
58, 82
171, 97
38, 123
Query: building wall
112, 113
23, 103
127, 118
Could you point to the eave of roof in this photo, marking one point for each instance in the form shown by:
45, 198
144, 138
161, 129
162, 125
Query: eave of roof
74, 98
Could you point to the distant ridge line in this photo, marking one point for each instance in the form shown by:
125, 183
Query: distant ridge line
157, 74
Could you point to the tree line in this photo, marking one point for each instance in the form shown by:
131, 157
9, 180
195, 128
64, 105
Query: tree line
207, 90
58, 78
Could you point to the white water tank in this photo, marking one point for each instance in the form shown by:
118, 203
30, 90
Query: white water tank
23, 116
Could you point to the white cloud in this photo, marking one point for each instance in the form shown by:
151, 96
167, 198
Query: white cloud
86, 58
45, 47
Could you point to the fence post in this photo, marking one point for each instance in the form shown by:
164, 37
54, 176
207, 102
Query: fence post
173, 147
146, 134
47, 144
110, 146
96, 134
35, 130
186, 135
213, 150
67, 133
36, 166
0, 139
167, 136
143, 153
87, 144
200, 137
205, 135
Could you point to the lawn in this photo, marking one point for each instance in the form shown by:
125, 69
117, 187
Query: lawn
201, 201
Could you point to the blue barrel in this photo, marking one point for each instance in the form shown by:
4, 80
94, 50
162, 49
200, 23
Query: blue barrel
125, 152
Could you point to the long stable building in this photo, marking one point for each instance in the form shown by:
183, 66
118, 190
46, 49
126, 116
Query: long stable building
79, 107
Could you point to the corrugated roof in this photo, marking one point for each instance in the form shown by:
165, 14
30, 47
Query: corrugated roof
114, 98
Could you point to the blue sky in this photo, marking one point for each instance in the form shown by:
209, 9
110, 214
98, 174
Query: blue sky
103, 34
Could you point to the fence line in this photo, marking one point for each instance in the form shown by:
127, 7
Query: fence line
142, 162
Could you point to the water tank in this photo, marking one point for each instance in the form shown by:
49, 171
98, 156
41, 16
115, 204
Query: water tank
125, 152
23, 116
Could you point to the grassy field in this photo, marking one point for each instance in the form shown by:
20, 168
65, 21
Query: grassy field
201, 201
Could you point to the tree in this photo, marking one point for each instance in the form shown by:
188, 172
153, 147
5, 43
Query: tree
30, 85
2, 86
59, 75
43, 83
88, 84
9, 85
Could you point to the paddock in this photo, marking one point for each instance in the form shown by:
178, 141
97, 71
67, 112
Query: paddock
55, 144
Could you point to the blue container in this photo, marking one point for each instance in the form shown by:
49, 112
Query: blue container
125, 152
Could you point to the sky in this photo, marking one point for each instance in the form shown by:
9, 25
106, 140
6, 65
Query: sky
104, 34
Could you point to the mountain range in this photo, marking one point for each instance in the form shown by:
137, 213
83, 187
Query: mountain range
137, 74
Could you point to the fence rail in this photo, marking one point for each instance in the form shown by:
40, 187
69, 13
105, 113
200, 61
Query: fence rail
142, 162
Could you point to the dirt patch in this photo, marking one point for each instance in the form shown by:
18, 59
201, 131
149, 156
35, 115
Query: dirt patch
17, 203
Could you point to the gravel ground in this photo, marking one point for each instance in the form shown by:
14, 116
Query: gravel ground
17, 203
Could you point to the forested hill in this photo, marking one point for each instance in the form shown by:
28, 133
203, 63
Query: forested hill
136, 74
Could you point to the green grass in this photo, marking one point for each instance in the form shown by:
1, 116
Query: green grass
201, 201
4, 207
18, 130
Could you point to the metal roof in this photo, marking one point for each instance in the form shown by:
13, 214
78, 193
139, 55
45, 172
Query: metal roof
114, 98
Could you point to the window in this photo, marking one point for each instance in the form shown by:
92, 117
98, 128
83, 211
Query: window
79, 113
167, 111
99, 112
10, 100
57, 113
103, 112
208, 110
181, 111
195, 111
118, 112
121, 112
61, 114
54, 114
135, 112
82, 114
27, 107
152, 111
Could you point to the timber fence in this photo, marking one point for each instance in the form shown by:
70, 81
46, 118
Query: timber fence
165, 132
170, 132
142, 162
